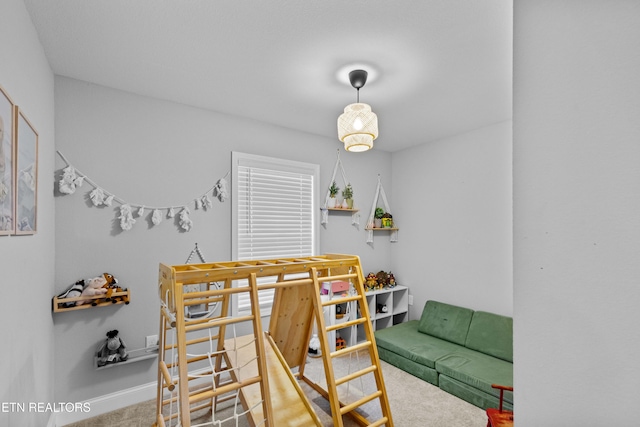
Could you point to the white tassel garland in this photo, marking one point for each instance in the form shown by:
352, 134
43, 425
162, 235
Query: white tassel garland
156, 217
185, 221
126, 218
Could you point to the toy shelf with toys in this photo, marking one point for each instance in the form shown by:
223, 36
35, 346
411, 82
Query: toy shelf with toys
136, 355
87, 293
66, 304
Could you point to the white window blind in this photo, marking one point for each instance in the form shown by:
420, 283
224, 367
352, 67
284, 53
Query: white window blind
274, 214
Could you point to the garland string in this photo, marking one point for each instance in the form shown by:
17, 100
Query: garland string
72, 179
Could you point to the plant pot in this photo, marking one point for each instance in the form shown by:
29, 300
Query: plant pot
331, 203
377, 223
387, 222
349, 203
345, 205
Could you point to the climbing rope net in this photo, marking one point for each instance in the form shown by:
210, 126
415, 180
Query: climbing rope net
214, 376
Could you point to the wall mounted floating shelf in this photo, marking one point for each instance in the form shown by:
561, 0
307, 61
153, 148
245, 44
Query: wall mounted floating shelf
58, 303
342, 210
136, 355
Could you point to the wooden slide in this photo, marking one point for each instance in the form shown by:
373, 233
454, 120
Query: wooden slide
291, 407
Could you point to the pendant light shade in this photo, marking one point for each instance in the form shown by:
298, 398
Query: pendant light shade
358, 125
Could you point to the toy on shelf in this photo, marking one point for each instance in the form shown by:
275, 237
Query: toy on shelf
379, 280
340, 343
92, 287
112, 350
382, 308
86, 293
113, 291
371, 282
392, 280
383, 279
73, 291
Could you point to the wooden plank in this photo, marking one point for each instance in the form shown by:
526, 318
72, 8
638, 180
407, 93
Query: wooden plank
289, 408
291, 320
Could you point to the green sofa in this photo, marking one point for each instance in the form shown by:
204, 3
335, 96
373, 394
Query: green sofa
455, 348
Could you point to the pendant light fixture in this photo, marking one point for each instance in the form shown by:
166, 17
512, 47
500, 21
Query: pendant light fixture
358, 125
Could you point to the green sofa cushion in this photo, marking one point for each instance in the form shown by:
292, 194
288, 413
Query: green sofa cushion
405, 340
445, 321
491, 334
416, 369
473, 395
477, 370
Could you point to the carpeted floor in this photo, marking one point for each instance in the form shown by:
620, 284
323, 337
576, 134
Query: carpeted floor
413, 402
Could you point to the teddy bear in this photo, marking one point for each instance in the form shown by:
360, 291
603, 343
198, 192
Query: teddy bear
96, 286
112, 350
92, 287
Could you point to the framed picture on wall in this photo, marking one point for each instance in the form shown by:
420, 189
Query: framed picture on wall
7, 155
26, 175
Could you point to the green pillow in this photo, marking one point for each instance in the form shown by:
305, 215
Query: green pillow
445, 321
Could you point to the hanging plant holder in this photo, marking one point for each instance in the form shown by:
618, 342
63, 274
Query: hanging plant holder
387, 219
333, 189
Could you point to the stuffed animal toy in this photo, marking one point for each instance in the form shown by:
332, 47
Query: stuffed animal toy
382, 308
383, 279
111, 285
114, 299
73, 291
392, 280
94, 287
371, 282
112, 350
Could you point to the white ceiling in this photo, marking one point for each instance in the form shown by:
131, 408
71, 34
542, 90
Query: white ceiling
443, 67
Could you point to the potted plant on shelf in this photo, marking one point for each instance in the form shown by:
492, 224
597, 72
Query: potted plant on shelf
347, 193
377, 223
387, 220
333, 191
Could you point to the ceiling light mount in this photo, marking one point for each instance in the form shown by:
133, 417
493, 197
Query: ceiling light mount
358, 125
358, 78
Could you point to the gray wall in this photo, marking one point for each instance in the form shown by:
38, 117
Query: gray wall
157, 153
453, 199
576, 212
27, 262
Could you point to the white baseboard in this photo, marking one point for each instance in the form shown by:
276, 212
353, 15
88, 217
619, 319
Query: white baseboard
107, 403
110, 402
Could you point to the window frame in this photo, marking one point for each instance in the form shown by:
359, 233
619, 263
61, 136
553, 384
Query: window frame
238, 160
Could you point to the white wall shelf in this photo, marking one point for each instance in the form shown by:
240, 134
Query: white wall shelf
137, 355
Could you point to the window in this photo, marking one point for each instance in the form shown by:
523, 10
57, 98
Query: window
273, 214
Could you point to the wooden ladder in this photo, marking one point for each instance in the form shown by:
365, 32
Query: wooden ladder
192, 395
353, 274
